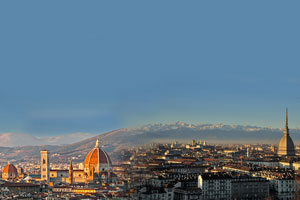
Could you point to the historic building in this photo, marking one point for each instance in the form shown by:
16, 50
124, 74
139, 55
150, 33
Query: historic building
45, 165
286, 144
9, 172
215, 185
97, 168
222, 185
97, 164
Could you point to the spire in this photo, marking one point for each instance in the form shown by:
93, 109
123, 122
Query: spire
286, 118
97, 143
286, 130
71, 173
286, 145
70, 166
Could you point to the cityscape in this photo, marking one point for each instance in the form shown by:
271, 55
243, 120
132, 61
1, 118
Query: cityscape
167, 171
149, 100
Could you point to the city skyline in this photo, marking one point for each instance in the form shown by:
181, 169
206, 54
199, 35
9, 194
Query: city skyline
159, 132
142, 100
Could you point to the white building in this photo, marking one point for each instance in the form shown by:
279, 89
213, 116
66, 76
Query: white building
215, 185
161, 193
282, 182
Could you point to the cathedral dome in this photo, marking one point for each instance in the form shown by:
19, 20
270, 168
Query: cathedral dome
10, 168
97, 160
97, 156
9, 171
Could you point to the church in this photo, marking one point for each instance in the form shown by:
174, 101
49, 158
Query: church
97, 168
10, 172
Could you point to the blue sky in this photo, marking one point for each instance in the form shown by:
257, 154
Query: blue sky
94, 66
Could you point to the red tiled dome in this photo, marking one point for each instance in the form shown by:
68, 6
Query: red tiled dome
97, 156
10, 168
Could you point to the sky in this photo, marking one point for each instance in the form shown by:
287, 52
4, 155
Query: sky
95, 66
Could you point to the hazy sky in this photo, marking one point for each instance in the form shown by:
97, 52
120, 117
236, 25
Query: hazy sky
94, 66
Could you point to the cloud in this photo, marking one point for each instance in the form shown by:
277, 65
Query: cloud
23, 139
17, 139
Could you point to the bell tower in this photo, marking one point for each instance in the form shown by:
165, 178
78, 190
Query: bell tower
45, 166
70, 173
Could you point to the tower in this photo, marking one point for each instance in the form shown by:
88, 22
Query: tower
193, 143
248, 152
286, 145
70, 173
45, 165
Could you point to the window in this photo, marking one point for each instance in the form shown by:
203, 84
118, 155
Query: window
44, 161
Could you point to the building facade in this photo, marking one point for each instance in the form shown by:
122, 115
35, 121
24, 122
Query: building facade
215, 185
45, 166
246, 187
97, 168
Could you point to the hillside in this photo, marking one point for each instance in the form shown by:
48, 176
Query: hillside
115, 140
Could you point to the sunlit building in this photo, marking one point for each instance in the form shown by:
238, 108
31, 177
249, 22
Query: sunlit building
97, 164
9, 172
286, 144
97, 168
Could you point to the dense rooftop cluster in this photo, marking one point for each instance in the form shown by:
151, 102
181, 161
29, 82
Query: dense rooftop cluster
194, 170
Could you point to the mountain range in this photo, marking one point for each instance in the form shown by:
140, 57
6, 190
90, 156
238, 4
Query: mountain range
77, 145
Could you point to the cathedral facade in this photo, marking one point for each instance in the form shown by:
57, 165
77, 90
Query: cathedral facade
97, 168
